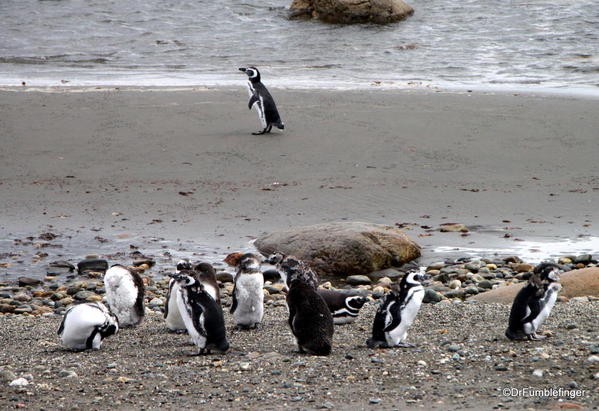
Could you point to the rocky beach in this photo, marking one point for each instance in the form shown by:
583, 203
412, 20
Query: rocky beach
486, 184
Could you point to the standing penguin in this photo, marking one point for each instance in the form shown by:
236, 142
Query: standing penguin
202, 316
204, 273
344, 307
397, 312
248, 297
261, 99
309, 317
125, 295
533, 304
84, 326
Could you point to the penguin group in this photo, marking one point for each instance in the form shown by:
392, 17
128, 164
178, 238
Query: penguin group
193, 305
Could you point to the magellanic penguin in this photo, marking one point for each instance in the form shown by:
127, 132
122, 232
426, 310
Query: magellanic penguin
533, 304
397, 312
344, 307
84, 326
248, 295
262, 101
202, 315
309, 317
204, 273
125, 295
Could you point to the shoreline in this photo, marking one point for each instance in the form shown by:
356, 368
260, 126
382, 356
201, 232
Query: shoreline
551, 91
182, 166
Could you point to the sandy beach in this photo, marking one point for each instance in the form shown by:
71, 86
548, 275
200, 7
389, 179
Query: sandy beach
182, 165
170, 172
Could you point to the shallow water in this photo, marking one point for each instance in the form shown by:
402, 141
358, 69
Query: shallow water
536, 44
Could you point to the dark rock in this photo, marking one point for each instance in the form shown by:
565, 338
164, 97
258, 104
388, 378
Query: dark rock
83, 295
391, 273
142, 261
459, 293
271, 275
513, 259
351, 11
7, 308
431, 296
358, 280
485, 284
27, 281
92, 264
341, 249
224, 277
583, 259
60, 267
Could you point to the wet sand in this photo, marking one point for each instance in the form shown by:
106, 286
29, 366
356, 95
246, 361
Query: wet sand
182, 165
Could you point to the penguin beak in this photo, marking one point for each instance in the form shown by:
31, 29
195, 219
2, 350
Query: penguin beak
242, 69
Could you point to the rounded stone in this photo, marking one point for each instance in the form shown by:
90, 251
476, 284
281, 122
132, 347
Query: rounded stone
358, 280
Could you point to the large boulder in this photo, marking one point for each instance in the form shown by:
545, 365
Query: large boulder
351, 11
342, 249
575, 283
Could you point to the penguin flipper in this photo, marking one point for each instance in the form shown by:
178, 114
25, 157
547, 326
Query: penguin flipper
61, 328
253, 100
393, 325
234, 303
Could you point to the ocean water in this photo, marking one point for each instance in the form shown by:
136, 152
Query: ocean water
538, 44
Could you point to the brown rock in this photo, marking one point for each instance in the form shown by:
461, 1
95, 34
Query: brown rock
453, 228
575, 283
523, 268
351, 11
342, 249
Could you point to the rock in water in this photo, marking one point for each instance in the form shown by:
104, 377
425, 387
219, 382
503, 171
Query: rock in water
342, 249
351, 11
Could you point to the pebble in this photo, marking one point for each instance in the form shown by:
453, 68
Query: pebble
454, 348
7, 376
538, 373
454, 284
156, 302
358, 280
67, 374
431, 296
327, 405
19, 382
27, 281
374, 401
593, 359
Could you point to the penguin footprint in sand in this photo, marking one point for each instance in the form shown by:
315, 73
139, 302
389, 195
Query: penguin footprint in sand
262, 101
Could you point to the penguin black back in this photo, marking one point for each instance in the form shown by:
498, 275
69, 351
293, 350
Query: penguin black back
533, 303
262, 101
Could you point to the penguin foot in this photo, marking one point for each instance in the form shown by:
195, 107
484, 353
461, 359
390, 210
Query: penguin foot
405, 345
259, 133
372, 344
536, 337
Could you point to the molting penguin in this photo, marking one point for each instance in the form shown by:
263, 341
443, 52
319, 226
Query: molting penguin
533, 304
202, 316
248, 296
125, 295
84, 326
344, 307
397, 312
309, 317
204, 273
262, 101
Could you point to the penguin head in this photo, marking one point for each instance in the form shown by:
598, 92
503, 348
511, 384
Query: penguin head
415, 277
184, 279
245, 263
356, 302
183, 264
275, 259
548, 272
252, 73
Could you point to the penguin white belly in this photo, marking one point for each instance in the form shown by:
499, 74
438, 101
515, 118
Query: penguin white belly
344, 316
550, 298
186, 314
79, 323
258, 105
174, 321
408, 315
121, 294
250, 299
210, 290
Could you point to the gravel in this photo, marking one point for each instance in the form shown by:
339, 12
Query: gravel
148, 367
